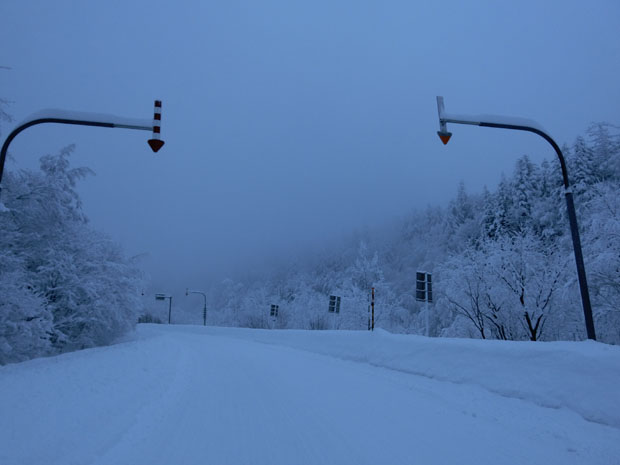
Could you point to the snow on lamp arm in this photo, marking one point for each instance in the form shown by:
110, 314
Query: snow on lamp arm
522, 124
83, 119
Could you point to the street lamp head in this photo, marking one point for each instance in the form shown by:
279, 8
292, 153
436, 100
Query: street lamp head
443, 133
444, 136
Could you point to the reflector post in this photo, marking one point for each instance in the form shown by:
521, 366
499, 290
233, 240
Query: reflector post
155, 142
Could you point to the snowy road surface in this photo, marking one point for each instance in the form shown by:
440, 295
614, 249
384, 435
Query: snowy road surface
182, 395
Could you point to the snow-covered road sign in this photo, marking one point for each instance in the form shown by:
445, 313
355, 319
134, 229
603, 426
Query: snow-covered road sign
423, 287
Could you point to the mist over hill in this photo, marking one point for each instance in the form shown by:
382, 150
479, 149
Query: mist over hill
502, 261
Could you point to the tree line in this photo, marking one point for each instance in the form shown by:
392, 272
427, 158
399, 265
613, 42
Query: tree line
502, 261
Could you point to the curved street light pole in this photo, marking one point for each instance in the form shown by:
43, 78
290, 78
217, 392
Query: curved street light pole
520, 124
204, 311
85, 119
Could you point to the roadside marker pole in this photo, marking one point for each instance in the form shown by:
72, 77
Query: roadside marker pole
155, 142
372, 305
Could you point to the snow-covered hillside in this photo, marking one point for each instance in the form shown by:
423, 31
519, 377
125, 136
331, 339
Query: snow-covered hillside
189, 395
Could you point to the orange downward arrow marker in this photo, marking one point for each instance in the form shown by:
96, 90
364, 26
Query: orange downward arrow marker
444, 136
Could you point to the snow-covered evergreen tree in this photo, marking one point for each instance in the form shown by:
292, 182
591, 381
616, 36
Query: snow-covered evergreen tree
63, 285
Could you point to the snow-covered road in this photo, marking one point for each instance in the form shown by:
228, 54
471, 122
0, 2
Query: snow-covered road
181, 395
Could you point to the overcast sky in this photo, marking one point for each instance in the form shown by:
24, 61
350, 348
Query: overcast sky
288, 123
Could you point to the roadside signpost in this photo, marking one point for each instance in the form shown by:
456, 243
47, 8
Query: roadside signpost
164, 297
334, 304
424, 293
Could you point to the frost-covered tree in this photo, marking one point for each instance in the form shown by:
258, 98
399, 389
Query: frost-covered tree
602, 244
25, 324
364, 274
582, 166
524, 184
505, 289
529, 274
549, 207
503, 224
464, 218
465, 292
605, 143
64, 286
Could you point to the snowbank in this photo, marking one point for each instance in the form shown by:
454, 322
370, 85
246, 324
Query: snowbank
193, 395
583, 377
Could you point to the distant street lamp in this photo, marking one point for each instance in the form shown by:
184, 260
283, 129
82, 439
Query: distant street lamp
85, 119
164, 297
204, 311
521, 124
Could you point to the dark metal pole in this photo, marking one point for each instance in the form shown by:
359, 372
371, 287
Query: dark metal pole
372, 304
581, 269
204, 313
169, 309
18, 129
204, 310
572, 218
